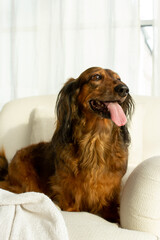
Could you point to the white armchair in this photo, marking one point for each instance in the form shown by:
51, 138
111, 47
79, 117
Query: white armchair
30, 120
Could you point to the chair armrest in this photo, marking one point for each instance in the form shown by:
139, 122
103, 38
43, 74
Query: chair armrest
140, 200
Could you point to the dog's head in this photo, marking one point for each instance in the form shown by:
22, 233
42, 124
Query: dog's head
97, 93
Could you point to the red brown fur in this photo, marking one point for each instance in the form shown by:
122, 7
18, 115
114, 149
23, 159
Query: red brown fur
82, 167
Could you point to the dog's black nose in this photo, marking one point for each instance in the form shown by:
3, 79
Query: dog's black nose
122, 90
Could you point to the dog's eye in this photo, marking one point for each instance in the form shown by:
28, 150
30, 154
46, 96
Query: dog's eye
96, 77
118, 79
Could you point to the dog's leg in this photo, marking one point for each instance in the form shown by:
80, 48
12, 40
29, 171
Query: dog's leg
111, 213
21, 175
6, 185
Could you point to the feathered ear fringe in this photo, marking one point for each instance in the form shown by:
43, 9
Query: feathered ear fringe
128, 106
64, 104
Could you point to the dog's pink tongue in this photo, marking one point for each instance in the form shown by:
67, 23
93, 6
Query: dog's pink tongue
117, 114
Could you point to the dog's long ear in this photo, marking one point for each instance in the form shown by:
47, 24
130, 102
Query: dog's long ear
128, 106
64, 106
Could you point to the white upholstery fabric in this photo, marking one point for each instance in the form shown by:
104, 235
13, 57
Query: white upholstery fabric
140, 202
151, 134
150, 126
136, 132
85, 226
41, 124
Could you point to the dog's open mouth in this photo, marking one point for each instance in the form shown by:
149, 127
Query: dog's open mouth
111, 110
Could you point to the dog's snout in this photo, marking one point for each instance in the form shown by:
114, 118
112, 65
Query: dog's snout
122, 90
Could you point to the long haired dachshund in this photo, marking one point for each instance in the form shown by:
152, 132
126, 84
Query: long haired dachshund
81, 168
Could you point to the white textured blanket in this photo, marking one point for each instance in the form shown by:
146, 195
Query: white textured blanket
30, 216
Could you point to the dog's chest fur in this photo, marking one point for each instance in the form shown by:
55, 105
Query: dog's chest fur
89, 182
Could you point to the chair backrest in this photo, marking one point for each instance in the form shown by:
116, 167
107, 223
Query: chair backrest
15, 129
30, 120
